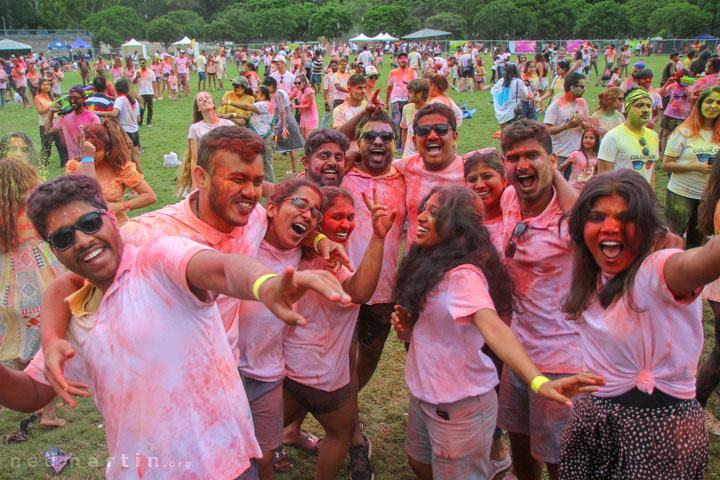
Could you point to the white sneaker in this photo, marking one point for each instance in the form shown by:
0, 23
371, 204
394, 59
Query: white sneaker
712, 423
498, 467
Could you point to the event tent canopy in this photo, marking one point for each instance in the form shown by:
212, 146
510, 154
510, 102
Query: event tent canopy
383, 37
58, 45
361, 38
133, 44
706, 36
10, 47
80, 43
184, 41
426, 33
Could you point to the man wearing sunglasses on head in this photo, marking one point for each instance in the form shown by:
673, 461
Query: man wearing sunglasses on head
539, 256
632, 145
139, 314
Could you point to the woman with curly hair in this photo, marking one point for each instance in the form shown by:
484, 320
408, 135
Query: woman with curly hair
27, 266
105, 147
453, 291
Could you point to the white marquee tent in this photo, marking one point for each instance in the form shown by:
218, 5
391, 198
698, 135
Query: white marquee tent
129, 47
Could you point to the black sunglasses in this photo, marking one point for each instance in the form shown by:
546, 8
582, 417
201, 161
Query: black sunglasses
89, 223
374, 77
371, 135
441, 129
517, 232
303, 206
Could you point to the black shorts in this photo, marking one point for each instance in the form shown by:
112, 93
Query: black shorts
373, 325
135, 137
317, 401
468, 73
670, 123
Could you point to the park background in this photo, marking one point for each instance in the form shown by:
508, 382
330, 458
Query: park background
383, 403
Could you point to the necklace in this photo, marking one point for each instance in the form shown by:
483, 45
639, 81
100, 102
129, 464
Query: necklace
197, 205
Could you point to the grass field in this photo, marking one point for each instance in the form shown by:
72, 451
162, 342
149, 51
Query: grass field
383, 403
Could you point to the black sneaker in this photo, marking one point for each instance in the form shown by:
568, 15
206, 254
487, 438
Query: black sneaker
360, 468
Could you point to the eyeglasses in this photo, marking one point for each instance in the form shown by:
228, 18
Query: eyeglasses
303, 206
441, 129
89, 223
374, 77
371, 135
645, 150
638, 164
298, 83
517, 232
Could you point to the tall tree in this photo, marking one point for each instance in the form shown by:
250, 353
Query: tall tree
501, 19
330, 21
678, 20
123, 20
164, 31
606, 19
393, 19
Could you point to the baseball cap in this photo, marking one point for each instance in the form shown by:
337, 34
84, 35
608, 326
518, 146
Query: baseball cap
639, 64
371, 70
402, 53
242, 81
279, 58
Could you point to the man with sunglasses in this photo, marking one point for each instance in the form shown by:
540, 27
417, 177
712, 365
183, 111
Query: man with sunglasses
71, 123
140, 312
144, 79
632, 145
566, 118
539, 256
396, 96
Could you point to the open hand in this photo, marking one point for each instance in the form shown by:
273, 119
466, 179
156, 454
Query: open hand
562, 388
400, 319
56, 354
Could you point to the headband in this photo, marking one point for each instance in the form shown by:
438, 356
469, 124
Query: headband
634, 95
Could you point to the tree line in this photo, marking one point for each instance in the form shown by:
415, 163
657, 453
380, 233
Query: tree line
245, 21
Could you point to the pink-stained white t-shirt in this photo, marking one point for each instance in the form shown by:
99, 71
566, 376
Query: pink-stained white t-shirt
542, 272
160, 371
497, 232
655, 347
260, 342
391, 193
181, 64
445, 362
398, 80
419, 181
70, 126
179, 220
317, 355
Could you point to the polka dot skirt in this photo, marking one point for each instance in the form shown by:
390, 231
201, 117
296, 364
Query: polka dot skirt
606, 441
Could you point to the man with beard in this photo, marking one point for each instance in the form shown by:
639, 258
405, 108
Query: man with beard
71, 123
148, 337
539, 256
632, 145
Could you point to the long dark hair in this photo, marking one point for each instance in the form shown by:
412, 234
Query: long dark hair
711, 197
466, 241
641, 210
511, 72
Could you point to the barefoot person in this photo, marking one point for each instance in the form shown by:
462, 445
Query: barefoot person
173, 278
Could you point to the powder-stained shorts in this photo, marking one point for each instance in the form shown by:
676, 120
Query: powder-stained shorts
523, 411
454, 438
267, 415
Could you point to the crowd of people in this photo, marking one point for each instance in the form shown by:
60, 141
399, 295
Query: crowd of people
536, 287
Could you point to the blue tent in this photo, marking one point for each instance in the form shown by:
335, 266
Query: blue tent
58, 45
80, 43
706, 36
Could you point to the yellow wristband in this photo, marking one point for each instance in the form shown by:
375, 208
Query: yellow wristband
260, 281
234, 115
537, 381
319, 237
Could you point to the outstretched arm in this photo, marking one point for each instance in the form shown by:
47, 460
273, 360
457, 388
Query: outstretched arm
20, 392
687, 271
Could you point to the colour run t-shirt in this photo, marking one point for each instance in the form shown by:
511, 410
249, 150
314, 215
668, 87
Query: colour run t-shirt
690, 151
622, 147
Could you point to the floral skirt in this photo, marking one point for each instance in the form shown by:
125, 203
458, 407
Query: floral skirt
26, 272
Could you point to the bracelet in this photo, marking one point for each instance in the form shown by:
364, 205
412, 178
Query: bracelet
234, 114
127, 205
537, 382
319, 237
260, 281
87, 160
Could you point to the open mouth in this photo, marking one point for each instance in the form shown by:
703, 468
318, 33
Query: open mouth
434, 148
330, 172
422, 230
483, 193
299, 228
526, 180
611, 250
93, 253
341, 235
245, 205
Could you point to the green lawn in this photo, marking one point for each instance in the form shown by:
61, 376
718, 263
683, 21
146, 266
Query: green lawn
383, 403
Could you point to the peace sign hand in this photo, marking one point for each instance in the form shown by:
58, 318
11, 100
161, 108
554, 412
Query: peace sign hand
382, 221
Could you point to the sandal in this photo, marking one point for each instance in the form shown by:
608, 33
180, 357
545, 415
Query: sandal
308, 443
281, 461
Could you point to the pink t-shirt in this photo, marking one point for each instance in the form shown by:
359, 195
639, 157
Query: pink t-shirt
583, 168
117, 73
705, 82
656, 347
160, 372
179, 220
181, 64
445, 362
70, 126
317, 355
398, 80
496, 229
419, 181
679, 104
391, 193
261, 342
542, 272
